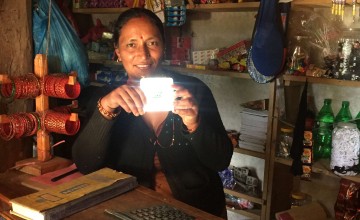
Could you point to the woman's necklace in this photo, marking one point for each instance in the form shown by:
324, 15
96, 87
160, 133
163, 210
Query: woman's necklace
157, 142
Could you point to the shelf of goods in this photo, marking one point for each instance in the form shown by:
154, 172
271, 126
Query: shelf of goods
228, 73
291, 79
105, 62
220, 7
242, 6
252, 213
322, 166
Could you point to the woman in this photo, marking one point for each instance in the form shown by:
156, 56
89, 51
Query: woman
177, 153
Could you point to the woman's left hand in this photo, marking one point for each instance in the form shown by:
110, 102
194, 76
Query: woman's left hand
186, 106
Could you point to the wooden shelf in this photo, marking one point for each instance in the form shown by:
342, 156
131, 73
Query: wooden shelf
223, 7
249, 152
312, 3
220, 7
227, 73
105, 62
99, 10
322, 167
291, 79
253, 199
251, 213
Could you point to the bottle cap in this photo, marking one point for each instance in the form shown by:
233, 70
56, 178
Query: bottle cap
287, 130
346, 125
298, 195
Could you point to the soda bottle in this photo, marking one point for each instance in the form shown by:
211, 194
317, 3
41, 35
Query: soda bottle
357, 120
322, 131
344, 114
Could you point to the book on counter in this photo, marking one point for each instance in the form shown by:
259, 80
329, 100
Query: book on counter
62, 200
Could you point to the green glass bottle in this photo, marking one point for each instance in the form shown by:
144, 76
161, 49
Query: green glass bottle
322, 131
344, 114
357, 120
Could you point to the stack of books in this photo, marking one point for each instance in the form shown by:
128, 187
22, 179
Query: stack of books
60, 201
253, 129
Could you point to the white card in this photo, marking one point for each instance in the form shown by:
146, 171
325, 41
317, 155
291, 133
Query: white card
159, 93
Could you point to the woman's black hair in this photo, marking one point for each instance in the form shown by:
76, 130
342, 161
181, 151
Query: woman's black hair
136, 13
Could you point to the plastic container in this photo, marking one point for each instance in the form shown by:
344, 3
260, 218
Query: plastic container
345, 149
285, 142
299, 199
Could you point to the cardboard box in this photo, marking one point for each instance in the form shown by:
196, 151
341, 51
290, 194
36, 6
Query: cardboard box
180, 48
235, 50
202, 57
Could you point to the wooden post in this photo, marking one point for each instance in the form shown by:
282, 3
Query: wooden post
42, 105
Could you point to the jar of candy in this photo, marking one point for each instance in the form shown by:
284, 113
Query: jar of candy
285, 142
298, 62
345, 149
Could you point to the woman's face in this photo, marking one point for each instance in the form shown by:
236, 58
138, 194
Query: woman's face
140, 47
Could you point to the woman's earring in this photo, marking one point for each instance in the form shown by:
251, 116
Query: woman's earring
118, 61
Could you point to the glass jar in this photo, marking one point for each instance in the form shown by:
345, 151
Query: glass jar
299, 199
298, 61
285, 142
345, 149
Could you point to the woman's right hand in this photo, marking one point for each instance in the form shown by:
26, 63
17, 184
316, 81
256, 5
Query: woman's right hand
128, 96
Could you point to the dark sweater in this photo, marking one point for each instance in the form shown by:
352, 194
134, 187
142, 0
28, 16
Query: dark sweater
191, 164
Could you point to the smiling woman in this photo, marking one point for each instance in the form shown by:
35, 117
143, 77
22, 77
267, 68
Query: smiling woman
140, 47
176, 152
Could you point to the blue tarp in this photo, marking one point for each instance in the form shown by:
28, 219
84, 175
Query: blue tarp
66, 52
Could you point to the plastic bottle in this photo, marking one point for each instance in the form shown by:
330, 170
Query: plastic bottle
323, 130
357, 120
344, 114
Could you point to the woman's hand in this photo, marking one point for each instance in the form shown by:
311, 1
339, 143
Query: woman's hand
128, 96
186, 107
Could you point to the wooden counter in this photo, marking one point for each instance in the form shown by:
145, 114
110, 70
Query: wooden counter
140, 197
